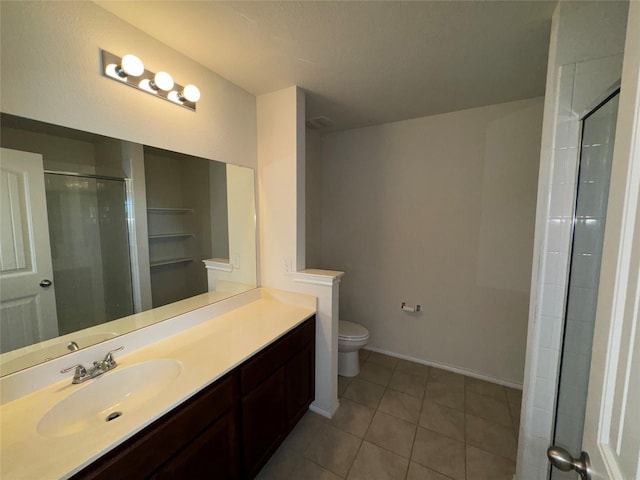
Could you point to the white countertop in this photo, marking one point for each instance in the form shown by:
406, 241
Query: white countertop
206, 352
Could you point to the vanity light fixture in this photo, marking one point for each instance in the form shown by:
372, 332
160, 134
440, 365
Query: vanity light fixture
130, 70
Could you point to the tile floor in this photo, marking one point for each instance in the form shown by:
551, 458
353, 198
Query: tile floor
401, 420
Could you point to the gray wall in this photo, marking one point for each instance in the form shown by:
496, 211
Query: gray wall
437, 211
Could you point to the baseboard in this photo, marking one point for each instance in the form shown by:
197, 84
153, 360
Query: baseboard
324, 412
451, 368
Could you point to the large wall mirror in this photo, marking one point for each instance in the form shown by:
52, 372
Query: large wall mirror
99, 237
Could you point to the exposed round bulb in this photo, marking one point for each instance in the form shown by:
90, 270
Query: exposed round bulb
191, 93
132, 65
163, 81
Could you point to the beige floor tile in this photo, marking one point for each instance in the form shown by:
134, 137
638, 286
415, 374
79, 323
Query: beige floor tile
487, 389
373, 372
375, 463
515, 417
343, 384
418, 472
408, 383
352, 417
445, 394
413, 368
514, 396
310, 471
366, 393
281, 465
364, 354
381, 359
333, 449
488, 408
491, 437
482, 465
391, 433
439, 453
444, 376
442, 419
400, 405
304, 432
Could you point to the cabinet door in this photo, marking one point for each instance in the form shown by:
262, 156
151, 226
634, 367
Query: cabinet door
263, 422
213, 455
300, 382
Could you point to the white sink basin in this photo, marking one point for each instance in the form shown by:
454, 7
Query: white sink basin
114, 394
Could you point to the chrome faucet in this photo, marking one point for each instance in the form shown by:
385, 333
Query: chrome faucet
82, 374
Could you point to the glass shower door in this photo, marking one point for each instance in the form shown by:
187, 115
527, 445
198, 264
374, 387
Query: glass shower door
90, 250
596, 153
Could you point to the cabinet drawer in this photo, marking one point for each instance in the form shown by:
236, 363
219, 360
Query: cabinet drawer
264, 363
145, 452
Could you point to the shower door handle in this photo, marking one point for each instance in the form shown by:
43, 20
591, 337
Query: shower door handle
563, 460
45, 283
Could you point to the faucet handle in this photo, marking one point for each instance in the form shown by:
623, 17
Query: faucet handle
109, 360
79, 369
79, 374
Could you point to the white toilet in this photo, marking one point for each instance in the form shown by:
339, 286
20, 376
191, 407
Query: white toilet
351, 338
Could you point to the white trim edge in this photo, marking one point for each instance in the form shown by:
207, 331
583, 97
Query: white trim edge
317, 277
450, 368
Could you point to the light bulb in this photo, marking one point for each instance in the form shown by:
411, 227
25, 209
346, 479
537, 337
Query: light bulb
132, 65
163, 81
145, 84
191, 93
112, 71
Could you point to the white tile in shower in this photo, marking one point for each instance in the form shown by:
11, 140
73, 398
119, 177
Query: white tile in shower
572, 399
578, 336
588, 235
542, 425
592, 200
555, 234
550, 331
583, 303
585, 268
593, 165
549, 292
562, 200
556, 268
544, 390
548, 364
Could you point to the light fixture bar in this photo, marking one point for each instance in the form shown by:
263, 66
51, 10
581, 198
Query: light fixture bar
113, 68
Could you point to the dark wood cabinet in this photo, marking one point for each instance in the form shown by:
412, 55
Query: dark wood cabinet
277, 386
229, 429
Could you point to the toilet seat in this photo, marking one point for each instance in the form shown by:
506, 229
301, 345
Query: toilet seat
351, 332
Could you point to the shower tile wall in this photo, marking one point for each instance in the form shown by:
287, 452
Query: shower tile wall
576, 83
539, 414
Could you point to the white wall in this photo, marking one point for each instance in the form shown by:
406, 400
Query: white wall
584, 60
50, 71
313, 192
437, 211
281, 194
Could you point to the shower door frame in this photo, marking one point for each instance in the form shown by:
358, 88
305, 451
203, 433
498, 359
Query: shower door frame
131, 230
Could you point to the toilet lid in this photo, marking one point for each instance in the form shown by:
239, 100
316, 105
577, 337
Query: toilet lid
351, 331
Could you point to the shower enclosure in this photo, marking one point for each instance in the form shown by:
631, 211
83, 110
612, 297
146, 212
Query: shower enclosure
594, 172
89, 248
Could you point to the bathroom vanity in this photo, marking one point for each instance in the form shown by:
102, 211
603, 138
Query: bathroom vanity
214, 401
230, 429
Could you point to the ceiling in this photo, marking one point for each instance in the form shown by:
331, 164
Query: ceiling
362, 63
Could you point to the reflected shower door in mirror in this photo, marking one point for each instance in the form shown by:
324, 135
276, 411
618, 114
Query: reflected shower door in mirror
102, 230
89, 250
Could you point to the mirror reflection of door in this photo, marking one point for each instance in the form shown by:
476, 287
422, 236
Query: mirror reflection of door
596, 154
27, 309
